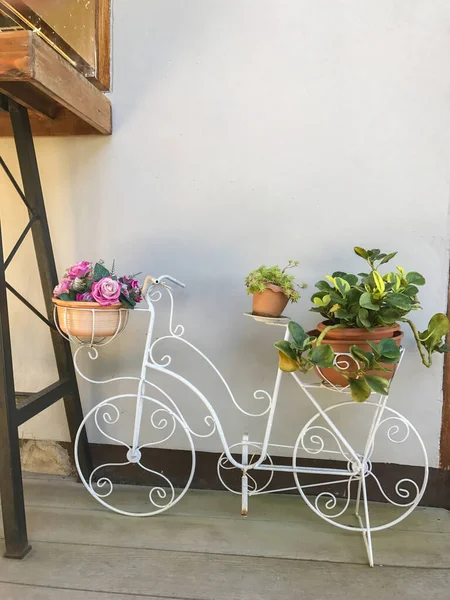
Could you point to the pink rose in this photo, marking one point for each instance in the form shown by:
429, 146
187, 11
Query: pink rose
133, 283
79, 269
85, 297
106, 291
62, 288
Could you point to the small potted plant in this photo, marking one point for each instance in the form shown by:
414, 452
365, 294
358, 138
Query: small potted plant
272, 288
92, 302
357, 344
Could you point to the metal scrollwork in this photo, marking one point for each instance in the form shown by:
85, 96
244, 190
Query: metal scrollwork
397, 429
339, 490
162, 419
223, 465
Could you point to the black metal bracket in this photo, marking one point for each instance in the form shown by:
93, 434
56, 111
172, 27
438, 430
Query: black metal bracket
16, 407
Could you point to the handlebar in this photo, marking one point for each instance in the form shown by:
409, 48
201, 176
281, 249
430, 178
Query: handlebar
169, 278
149, 280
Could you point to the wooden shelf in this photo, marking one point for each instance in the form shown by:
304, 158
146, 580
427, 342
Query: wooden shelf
62, 100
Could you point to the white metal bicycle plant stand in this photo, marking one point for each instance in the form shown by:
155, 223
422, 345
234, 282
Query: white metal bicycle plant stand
320, 436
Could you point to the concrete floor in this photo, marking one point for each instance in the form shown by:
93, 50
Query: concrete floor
202, 549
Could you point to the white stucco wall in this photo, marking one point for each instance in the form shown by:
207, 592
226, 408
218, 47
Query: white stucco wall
251, 131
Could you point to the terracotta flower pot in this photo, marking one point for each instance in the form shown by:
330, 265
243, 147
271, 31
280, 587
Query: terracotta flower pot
90, 319
271, 302
341, 340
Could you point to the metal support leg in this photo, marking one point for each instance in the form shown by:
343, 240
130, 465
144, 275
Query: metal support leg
367, 533
358, 497
47, 268
11, 489
244, 496
11, 416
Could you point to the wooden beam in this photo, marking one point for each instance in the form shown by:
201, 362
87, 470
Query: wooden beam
64, 124
15, 56
37, 77
24, 92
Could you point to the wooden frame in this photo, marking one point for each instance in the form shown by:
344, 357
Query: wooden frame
35, 76
102, 78
98, 74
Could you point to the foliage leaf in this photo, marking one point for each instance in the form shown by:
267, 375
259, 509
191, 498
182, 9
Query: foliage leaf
342, 285
388, 361
374, 347
380, 385
437, 328
388, 257
298, 334
360, 252
100, 271
396, 281
322, 356
342, 314
322, 301
350, 278
352, 297
336, 298
366, 301
415, 278
410, 291
363, 358
323, 286
363, 315
399, 301
285, 363
127, 302
388, 316
286, 348
379, 283
402, 272
388, 348
359, 389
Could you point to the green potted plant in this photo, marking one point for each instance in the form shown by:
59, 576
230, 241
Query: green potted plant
272, 288
362, 319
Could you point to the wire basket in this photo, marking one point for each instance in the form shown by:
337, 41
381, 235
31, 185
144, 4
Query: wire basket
89, 323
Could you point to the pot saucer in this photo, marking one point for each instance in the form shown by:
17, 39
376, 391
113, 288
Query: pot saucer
281, 321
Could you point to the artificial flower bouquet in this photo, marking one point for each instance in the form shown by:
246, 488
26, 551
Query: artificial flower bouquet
93, 282
91, 301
